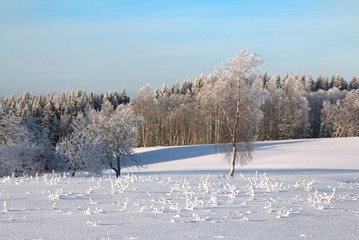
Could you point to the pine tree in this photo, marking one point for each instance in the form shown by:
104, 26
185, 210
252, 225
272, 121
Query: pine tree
338, 82
309, 84
322, 83
354, 84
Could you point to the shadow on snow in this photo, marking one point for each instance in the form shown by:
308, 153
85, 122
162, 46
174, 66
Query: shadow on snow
168, 154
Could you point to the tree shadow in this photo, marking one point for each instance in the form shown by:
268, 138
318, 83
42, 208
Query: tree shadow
168, 154
257, 146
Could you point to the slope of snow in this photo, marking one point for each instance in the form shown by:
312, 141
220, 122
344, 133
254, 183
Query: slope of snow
310, 154
300, 189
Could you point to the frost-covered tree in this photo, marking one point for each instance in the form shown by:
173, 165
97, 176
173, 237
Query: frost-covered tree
294, 122
81, 151
186, 87
165, 91
118, 131
265, 80
329, 112
350, 114
38, 135
21, 158
50, 116
309, 84
144, 105
315, 104
24, 146
235, 92
176, 88
285, 110
354, 84
341, 119
272, 111
11, 129
198, 83
338, 82
322, 83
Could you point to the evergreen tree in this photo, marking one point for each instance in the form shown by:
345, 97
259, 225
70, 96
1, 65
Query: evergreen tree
186, 87
338, 82
309, 84
322, 83
354, 84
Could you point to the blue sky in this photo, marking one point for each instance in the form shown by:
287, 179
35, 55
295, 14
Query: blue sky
64, 45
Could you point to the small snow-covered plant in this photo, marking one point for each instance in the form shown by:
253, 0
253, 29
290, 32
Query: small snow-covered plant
121, 185
88, 211
175, 207
304, 185
198, 217
214, 198
54, 180
94, 224
190, 203
329, 197
233, 191
5, 207
132, 178
187, 188
284, 212
269, 207
204, 185
6, 179
250, 193
57, 195
317, 199
113, 190
99, 210
314, 199
124, 207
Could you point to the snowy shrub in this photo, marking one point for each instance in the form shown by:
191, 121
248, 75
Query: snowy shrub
81, 152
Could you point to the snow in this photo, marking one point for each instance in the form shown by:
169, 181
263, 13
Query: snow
297, 189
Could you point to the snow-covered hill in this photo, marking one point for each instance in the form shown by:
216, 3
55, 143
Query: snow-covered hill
300, 189
294, 155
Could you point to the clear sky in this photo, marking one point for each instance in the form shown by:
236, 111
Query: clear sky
64, 45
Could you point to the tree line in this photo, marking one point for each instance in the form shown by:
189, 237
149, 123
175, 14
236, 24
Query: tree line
76, 131
68, 133
291, 107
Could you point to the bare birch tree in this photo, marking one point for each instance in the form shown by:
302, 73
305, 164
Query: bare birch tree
235, 92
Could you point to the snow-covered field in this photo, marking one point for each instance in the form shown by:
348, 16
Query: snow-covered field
300, 189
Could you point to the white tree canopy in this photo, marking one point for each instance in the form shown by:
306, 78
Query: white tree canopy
117, 129
83, 152
235, 93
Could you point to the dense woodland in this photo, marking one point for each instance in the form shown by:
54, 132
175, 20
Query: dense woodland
292, 107
42, 133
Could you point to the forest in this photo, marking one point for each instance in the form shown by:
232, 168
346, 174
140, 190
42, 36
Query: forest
79, 131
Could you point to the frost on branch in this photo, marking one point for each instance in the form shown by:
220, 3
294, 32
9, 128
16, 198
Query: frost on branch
81, 152
233, 95
11, 130
102, 138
